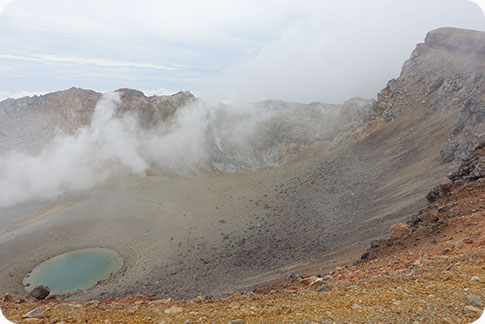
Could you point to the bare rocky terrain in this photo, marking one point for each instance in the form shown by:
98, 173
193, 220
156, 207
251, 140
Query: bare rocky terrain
220, 232
429, 271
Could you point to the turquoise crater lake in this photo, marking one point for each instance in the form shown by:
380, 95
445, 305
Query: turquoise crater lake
74, 270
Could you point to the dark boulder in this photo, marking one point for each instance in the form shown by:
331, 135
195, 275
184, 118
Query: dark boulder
40, 292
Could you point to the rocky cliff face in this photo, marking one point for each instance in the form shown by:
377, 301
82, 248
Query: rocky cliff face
29, 122
155, 109
445, 74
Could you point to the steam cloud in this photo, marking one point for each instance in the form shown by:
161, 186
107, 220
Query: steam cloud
203, 136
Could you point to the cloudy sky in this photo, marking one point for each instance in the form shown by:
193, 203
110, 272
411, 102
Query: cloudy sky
238, 50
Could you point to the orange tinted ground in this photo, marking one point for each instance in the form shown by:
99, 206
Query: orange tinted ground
424, 277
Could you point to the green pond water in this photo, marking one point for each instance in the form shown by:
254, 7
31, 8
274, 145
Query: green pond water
71, 271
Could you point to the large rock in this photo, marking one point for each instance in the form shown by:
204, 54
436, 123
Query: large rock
35, 313
40, 292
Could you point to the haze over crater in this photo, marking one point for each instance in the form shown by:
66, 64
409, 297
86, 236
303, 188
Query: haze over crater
248, 51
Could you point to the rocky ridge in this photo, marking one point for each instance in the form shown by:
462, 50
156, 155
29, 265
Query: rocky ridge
28, 123
275, 131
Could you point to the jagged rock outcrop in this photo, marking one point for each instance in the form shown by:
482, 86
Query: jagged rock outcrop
457, 90
468, 132
447, 76
470, 166
444, 73
29, 122
464, 148
155, 109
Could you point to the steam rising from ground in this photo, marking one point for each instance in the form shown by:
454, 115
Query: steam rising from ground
201, 137
111, 144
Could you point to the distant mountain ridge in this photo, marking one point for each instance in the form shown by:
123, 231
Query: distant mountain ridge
29, 121
279, 130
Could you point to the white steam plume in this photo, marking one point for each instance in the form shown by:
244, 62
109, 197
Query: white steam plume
74, 162
110, 145
201, 137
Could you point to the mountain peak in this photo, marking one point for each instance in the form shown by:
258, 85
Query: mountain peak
462, 40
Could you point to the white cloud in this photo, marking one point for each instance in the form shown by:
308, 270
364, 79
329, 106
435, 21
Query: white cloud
85, 60
297, 50
191, 20
20, 94
159, 92
339, 50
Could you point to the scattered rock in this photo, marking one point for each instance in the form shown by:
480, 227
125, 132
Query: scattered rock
458, 244
134, 309
365, 256
375, 244
35, 313
434, 194
474, 279
473, 309
474, 300
8, 298
356, 307
40, 292
399, 230
322, 289
173, 310
309, 281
